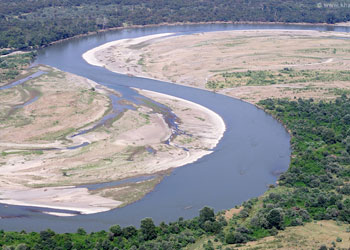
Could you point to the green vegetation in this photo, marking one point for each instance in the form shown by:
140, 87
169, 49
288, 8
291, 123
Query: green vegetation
27, 24
268, 77
58, 135
315, 187
175, 235
11, 65
316, 184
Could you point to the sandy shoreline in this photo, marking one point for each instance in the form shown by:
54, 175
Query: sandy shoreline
210, 137
92, 57
199, 59
27, 179
69, 198
217, 119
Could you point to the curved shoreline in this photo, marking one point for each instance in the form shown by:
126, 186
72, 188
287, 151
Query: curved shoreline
137, 57
89, 57
47, 197
342, 24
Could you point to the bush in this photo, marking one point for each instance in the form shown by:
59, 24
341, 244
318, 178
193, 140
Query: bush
275, 218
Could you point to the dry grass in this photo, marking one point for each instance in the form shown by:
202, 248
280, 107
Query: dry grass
311, 236
199, 59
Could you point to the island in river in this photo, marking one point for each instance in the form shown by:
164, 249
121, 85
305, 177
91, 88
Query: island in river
61, 132
251, 65
309, 66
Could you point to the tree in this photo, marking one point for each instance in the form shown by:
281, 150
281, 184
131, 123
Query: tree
116, 230
148, 229
275, 218
81, 231
129, 232
22, 246
206, 214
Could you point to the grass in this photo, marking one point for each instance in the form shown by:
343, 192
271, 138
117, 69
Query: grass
141, 61
23, 152
11, 66
269, 77
310, 236
145, 116
57, 135
128, 193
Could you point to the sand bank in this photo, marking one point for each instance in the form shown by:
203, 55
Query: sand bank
199, 59
65, 198
205, 126
95, 56
127, 51
33, 176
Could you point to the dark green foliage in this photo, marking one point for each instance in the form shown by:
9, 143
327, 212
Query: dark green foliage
320, 164
206, 214
275, 218
116, 230
148, 229
316, 184
129, 232
175, 235
26, 23
81, 231
285, 76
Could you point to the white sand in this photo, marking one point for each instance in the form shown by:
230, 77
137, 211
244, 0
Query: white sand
95, 57
90, 56
65, 198
78, 199
210, 136
217, 121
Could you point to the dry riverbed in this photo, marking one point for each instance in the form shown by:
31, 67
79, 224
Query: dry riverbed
285, 63
39, 167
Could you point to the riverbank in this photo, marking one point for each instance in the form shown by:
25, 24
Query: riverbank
45, 156
205, 61
343, 24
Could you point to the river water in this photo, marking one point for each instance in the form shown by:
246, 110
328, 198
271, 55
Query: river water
255, 147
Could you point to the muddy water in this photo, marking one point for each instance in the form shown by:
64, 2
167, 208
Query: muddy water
253, 149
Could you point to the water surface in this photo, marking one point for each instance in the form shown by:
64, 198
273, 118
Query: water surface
253, 149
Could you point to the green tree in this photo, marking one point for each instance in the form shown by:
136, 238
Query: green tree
275, 218
206, 214
148, 229
116, 230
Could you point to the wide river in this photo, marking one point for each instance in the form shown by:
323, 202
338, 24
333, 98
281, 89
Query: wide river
254, 150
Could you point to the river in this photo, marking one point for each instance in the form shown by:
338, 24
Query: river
254, 149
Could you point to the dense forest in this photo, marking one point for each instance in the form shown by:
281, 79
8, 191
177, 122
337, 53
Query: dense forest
33, 23
315, 187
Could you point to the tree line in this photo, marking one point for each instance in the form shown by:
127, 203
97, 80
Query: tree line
315, 187
26, 24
